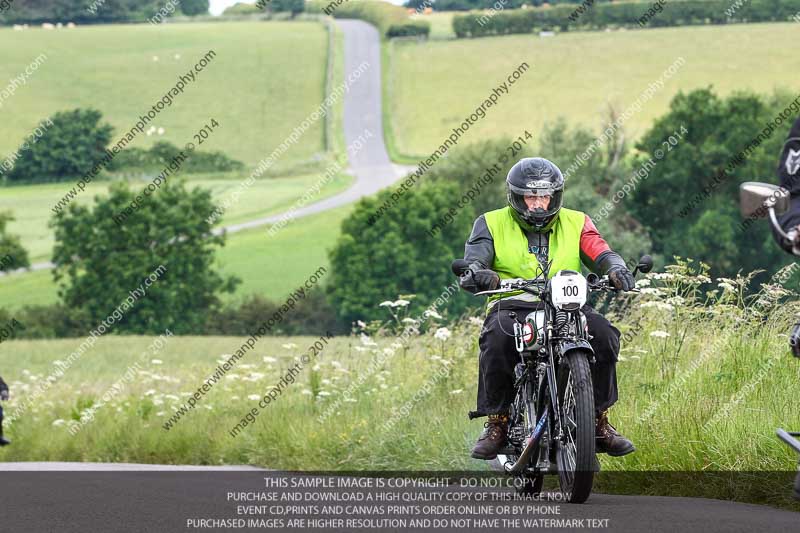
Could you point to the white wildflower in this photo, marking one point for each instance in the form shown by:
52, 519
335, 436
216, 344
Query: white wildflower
157, 362
659, 334
324, 393
432, 313
386, 303
289, 346
306, 391
648, 290
59, 422
726, 286
366, 341
253, 397
268, 359
442, 334
400, 303
150, 392
643, 283
457, 391
666, 276
361, 323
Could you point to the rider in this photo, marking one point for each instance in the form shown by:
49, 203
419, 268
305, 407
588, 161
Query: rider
511, 242
4, 397
789, 174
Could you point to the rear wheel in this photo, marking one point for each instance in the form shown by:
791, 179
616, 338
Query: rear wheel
576, 447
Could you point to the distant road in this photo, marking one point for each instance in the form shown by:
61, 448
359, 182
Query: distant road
371, 166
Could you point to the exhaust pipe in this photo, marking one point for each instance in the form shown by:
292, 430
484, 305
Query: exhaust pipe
533, 443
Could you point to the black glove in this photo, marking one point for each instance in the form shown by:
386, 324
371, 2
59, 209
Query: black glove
621, 278
486, 280
4, 395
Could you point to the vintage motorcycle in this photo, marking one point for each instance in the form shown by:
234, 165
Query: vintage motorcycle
552, 420
764, 200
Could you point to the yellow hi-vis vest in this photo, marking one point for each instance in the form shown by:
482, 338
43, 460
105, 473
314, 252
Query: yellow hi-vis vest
511, 256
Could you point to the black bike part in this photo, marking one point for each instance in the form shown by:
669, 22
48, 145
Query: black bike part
794, 340
475, 414
576, 450
644, 266
579, 344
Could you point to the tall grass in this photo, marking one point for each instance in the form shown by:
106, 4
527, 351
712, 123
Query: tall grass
693, 393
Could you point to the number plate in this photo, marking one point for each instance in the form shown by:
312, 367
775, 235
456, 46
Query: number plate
569, 292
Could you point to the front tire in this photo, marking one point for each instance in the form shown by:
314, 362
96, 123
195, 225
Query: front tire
576, 450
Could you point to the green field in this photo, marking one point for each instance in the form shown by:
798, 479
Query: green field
436, 84
269, 266
32, 204
256, 111
274, 266
688, 403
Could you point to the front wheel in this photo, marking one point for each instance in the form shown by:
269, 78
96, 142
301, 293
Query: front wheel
576, 447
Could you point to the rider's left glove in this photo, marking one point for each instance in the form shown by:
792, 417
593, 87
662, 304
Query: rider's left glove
621, 278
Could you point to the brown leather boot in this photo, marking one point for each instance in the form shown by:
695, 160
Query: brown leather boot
609, 441
492, 439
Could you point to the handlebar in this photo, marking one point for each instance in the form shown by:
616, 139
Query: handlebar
537, 286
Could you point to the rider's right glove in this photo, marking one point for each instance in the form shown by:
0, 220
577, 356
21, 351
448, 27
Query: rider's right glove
486, 279
622, 278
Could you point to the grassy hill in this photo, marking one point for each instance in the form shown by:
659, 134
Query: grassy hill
259, 110
137, 64
434, 85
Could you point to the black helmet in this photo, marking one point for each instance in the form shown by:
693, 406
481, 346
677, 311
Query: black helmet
534, 176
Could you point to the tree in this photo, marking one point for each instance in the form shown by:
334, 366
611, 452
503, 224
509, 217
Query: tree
194, 7
99, 263
293, 6
395, 255
68, 148
12, 254
689, 201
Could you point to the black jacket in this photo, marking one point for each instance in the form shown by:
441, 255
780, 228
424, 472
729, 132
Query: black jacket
789, 177
3, 385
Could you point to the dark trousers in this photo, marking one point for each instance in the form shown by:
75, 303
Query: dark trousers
1, 420
498, 357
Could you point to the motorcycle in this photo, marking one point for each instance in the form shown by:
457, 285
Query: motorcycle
552, 419
764, 200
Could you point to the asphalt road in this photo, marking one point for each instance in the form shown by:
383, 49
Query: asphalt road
125, 497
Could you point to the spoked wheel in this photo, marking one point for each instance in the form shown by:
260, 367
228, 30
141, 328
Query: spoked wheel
576, 450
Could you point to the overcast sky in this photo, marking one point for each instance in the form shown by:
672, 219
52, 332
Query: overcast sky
218, 6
